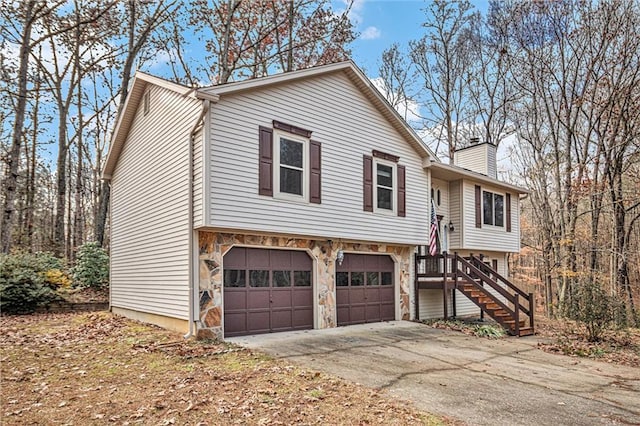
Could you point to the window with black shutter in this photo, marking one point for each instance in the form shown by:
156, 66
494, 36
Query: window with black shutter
290, 163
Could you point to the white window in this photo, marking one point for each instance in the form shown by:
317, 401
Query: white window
493, 208
385, 186
291, 166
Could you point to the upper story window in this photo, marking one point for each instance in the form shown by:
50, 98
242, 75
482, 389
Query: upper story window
292, 157
492, 208
289, 164
385, 186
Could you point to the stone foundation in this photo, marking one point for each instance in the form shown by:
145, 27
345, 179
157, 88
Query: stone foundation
213, 246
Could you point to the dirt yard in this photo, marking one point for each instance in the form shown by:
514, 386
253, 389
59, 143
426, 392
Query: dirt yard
99, 368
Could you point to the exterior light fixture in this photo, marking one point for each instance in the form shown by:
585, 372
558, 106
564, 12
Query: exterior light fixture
451, 228
340, 257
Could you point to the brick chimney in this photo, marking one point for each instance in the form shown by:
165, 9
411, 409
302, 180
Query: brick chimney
478, 157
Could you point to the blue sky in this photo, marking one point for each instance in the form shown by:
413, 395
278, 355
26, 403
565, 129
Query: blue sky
384, 22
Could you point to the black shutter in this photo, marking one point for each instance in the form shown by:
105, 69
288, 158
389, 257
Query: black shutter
367, 178
478, 207
508, 201
265, 169
402, 204
315, 173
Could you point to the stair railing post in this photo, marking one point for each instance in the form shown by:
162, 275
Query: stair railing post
532, 308
517, 314
416, 286
444, 285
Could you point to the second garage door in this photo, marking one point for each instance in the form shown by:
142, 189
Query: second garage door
267, 291
364, 289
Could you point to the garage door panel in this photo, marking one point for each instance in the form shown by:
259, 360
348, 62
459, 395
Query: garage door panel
281, 320
258, 322
373, 313
357, 295
386, 292
342, 314
302, 297
257, 258
235, 322
388, 312
281, 298
302, 318
357, 314
258, 298
276, 295
365, 290
235, 300
372, 295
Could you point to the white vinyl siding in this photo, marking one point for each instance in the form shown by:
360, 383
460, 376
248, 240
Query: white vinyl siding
347, 126
150, 209
489, 237
198, 206
431, 304
479, 158
442, 210
455, 207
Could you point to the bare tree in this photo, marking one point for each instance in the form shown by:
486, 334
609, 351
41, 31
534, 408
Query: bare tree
442, 58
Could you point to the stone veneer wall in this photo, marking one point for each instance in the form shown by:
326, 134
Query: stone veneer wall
213, 246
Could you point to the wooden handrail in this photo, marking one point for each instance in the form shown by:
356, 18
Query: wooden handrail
500, 277
485, 291
480, 264
485, 278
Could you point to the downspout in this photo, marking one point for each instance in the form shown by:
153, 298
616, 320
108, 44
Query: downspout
193, 293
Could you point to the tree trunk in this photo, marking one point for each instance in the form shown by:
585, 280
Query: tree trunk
13, 160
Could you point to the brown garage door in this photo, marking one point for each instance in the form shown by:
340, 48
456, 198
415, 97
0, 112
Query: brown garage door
267, 291
364, 289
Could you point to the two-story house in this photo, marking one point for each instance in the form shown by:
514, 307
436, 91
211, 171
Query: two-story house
288, 202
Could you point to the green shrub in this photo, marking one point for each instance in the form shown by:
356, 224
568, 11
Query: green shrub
23, 281
92, 266
490, 331
594, 309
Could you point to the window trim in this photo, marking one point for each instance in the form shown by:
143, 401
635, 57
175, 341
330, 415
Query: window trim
277, 135
394, 189
493, 208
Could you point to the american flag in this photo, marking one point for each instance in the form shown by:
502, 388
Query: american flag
433, 231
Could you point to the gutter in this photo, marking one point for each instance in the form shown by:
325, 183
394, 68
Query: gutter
193, 292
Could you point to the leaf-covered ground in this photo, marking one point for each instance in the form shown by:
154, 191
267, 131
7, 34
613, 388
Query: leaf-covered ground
620, 347
99, 368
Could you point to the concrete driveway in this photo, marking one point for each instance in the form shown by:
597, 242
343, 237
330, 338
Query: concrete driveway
478, 381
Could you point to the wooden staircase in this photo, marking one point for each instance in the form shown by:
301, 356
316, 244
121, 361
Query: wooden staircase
496, 296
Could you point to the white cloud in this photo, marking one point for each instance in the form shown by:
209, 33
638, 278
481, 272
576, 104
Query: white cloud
408, 109
355, 13
370, 33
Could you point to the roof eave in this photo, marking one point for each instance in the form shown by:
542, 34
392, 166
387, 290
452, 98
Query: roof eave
471, 175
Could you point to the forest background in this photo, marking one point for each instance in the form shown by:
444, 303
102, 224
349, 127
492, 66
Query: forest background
556, 82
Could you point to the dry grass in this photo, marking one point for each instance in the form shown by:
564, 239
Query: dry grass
98, 368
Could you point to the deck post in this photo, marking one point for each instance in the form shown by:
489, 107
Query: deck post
416, 286
444, 285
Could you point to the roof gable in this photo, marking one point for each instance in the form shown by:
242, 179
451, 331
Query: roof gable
355, 75
126, 116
